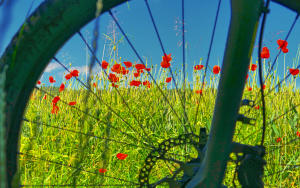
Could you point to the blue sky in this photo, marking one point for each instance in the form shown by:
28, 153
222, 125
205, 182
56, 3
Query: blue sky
135, 20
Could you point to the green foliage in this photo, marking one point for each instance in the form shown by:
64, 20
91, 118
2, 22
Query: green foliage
89, 140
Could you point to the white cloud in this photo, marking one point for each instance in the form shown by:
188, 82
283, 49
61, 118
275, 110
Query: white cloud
52, 66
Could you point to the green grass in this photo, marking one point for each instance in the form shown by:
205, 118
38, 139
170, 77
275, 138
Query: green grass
148, 108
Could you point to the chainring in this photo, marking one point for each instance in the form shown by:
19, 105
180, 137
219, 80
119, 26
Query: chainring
159, 153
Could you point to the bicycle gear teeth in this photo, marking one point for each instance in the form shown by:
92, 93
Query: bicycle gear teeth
245, 119
197, 141
247, 102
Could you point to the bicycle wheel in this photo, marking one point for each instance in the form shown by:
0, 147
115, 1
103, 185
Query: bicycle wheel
148, 148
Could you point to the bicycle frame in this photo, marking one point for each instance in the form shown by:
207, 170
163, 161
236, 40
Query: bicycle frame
239, 46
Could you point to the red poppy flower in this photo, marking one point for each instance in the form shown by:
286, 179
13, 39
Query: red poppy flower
282, 44
136, 74
113, 78
95, 84
114, 85
216, 69
122, 156
128, 64
167, 58
265, 53
117, 68
102, 170
74, 73
45, 96
249, 88
55, 99
199, 91
124, 72
165, 64
278, 139
298, 133
140, 66
148, 69
135, 83
104, 64
166, 61
62, 87
39, 82
168, 79
72, 103
146, 83
140, 71
253, 67
294, 72
247, 76
198, 67
285, 50
54, 109
256, 107
264, 86
68, 76
51, 79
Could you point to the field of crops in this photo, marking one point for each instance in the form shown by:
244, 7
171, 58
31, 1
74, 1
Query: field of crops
104, 136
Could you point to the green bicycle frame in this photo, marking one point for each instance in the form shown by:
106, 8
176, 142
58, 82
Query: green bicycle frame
241, 37
245, 15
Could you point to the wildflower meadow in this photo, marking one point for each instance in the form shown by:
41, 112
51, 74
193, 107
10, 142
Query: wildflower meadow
101, 132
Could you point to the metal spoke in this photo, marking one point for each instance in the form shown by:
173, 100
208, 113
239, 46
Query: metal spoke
289, 168
70, 185
100, 99
69, 166
98, 120
272, 121
286, 38
88, 135
145, 65
208, 56
182, 99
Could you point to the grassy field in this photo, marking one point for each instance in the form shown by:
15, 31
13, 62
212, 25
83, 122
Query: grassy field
80, 143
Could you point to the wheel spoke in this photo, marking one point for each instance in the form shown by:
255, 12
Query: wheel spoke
286, 38
107, 105
88, 134
181, 98
272, 121
83, 185
69, 166
279, 171
208, 56
270, 70
166, 99
121, 96
98, 120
